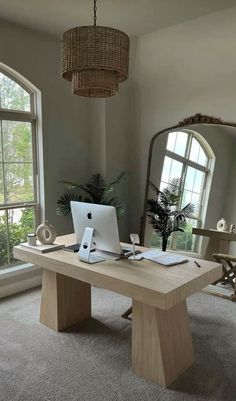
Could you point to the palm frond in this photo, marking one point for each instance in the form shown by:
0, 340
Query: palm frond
118, 204
154, 188
70, 185
95, 188
118, 179
107, 192
175, 185
155, 207
186, 211
63, 203
159, 210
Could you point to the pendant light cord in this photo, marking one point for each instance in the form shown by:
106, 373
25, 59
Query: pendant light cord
94, 12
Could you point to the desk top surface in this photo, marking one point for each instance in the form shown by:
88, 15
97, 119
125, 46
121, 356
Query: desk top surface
223, 235
144, 280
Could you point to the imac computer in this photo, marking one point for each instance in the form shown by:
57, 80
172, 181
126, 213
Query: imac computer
95, 227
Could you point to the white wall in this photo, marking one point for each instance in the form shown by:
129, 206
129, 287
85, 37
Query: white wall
180, 71
175, 72
36, 56
81, 136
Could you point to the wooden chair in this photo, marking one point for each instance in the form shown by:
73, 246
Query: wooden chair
229, 271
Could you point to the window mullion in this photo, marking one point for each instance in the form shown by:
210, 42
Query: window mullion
18, 205
13, 115
3, 166
35, 161
188, 147
183, 177
8, 238
184, 160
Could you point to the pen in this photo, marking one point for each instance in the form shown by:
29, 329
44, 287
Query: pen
196, 263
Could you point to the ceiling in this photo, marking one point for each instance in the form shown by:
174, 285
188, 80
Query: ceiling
133, 16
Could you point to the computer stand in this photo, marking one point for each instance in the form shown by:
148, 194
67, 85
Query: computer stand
86, 247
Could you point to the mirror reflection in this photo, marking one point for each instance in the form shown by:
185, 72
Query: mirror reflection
202, 156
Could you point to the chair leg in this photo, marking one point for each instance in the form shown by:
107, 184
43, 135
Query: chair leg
127, 314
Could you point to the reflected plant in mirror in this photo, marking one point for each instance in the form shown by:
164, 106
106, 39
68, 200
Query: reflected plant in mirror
164, 212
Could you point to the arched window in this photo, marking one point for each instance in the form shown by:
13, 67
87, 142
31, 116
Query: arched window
188, 156
19, 184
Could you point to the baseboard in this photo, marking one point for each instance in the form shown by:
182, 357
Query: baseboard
20, 282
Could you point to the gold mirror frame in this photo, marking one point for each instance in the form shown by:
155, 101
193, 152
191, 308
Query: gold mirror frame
185, 123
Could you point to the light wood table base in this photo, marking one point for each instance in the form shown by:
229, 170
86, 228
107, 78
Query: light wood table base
219, 241
161, 342
64, 302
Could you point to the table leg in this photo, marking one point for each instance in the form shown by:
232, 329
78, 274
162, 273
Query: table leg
161, 342
65, 301
216, 245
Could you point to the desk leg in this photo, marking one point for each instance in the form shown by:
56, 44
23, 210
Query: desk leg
65, 301
216, 245
161, 342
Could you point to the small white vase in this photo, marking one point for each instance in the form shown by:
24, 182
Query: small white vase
46, 233
221, 225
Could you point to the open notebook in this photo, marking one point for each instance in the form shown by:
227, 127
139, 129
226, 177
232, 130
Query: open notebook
164, 258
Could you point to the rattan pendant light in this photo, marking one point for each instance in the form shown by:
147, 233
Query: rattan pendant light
95, 59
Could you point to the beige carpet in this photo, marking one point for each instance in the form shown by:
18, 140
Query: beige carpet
92, 362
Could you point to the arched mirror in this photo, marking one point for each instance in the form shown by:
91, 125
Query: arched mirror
200, 152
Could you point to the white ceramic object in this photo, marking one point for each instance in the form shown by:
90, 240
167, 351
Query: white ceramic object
221, 225
46, 233
31, 238
232, 229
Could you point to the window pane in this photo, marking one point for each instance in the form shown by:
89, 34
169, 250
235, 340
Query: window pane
181, 142
15, 224
199, 181
193, 187
177, 142
163, 185
171, 141
176, 169
197, 154
17, 141
171, 169
166, 169
185, 241
12, 95
1, 157
190, 177
18, 182
187, 198
4, 254
194, 152
1, 185
202, 158
156, 241
196, 199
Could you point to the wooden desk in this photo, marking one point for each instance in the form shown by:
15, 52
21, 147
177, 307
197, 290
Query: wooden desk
161, 338
218, 241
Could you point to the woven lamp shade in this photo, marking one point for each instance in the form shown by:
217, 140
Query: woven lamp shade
95, 59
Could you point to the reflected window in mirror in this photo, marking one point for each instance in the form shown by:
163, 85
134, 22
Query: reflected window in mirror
186, 157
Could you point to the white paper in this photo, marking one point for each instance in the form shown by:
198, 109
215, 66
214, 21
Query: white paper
164, 258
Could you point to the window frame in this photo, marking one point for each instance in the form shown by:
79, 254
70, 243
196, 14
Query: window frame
186, 162
32, 117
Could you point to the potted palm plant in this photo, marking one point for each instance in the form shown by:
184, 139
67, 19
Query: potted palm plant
164, 213
96, 190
